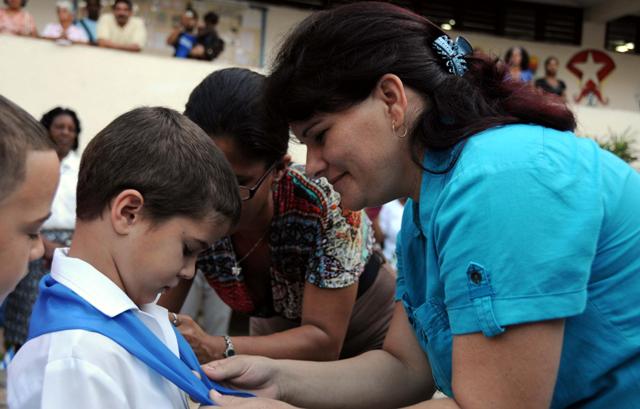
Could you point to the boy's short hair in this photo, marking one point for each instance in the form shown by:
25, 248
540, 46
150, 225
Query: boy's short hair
19, 134
167, 158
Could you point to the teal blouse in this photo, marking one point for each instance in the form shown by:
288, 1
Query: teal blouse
529, 224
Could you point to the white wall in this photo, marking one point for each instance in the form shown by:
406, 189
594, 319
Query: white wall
622, 86
280, 20
98, 84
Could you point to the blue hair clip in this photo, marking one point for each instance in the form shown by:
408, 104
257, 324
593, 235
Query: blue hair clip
453, 53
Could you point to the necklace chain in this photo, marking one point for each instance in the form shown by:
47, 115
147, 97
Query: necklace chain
236, 270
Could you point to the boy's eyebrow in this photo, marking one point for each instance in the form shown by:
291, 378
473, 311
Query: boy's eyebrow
42, 219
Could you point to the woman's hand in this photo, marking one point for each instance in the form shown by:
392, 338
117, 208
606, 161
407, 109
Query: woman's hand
254, 374
206, 347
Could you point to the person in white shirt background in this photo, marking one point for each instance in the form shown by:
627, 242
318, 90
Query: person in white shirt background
65, 30
389, 222
63, 127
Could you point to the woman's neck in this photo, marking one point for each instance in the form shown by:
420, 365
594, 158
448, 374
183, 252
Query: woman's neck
259, 224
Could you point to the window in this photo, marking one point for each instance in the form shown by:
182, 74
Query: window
623, 35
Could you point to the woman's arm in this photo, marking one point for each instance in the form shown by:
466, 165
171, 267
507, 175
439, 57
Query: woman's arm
517, 369
395, 376
325, 319
514, 370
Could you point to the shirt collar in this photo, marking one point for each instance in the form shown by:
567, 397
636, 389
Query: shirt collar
90, 284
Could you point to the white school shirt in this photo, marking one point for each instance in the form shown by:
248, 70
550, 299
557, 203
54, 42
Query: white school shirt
63, 208
82, 369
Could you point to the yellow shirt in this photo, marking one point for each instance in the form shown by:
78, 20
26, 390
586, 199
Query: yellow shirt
134, 32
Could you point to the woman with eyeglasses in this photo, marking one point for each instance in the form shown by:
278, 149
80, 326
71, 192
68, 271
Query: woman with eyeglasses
301, 266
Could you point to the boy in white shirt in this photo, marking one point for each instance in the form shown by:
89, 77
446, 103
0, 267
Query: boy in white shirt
28, 180
153, 192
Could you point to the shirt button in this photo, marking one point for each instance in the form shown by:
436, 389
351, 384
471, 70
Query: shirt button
476, 277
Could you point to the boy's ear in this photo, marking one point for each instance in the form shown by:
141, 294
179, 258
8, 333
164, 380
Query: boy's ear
126, 210
281, 168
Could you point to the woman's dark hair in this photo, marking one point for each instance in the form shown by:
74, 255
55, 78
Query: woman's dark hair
524, 57
48, 118
229, 103
334, 58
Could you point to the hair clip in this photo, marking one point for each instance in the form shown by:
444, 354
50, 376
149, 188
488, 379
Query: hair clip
453, 53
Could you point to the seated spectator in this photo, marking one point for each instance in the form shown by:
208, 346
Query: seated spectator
121, 30
90, 22
183, 37
208, 44
550, 82
517, 59
15, 20
65, 30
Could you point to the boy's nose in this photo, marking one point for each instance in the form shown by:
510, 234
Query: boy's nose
37, 250
188, 271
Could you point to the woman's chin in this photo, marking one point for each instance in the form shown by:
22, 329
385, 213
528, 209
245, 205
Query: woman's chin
351, 201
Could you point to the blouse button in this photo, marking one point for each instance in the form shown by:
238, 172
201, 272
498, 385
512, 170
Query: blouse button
476, 277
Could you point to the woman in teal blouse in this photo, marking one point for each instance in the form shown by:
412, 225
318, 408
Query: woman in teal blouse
519, 254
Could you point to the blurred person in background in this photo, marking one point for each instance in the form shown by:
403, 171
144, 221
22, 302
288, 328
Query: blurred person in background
389, 222
517, 59
65, 30
90, 22
209, 45
551, 83
121, 30
15, 20
63, 127
183, 37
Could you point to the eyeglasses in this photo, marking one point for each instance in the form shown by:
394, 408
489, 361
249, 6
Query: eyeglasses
246, 193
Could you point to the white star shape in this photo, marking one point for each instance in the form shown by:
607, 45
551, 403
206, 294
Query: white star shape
590, 69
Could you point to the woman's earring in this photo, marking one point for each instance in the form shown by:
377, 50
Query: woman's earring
393, 128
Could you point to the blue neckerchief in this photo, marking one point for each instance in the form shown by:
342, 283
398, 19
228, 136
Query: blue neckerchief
58, 308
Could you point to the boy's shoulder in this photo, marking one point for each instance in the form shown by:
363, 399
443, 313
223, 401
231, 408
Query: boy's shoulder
77, 347
90, 368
